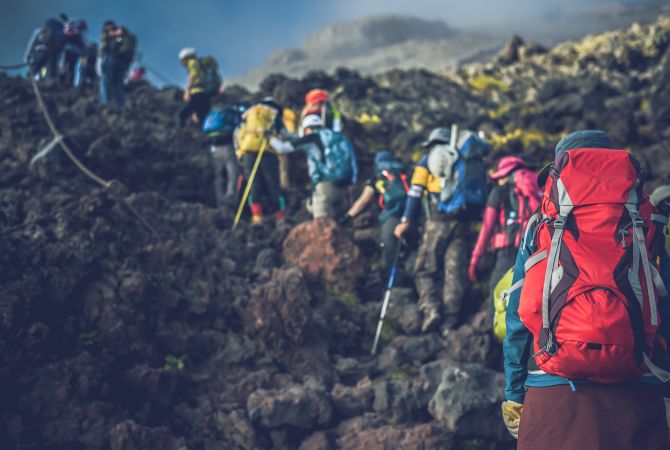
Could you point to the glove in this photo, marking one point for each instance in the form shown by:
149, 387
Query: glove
511, 413
345, 220
667, 411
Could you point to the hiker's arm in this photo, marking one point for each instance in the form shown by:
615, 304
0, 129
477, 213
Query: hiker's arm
362, 202
485, 233
418, 184
516, 346
280, 146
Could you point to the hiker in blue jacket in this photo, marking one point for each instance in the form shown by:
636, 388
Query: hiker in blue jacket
550, 412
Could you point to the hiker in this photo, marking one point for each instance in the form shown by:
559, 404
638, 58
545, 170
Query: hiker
204, 82
75, 48
331, 163
389, 186
454, 174
508, 208
317, 102
87, 73
117, 50
44, 49
137, 75
219, 126
584, 306
260, 123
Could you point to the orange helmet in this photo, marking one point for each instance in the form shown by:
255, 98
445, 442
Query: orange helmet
316, 96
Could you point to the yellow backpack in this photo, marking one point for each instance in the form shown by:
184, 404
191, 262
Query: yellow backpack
290, 120
501, 295
256, 127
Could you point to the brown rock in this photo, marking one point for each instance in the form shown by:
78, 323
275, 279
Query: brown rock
425, 437
324, 251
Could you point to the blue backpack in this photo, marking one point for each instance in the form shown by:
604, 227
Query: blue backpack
223, 121
467, 184
339, 159
52, 34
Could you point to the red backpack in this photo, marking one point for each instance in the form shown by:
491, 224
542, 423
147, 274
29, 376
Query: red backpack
512, 223
591, 291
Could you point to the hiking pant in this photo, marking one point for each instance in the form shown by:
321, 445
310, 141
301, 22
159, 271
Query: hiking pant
595, 417
51, 63
111, 82
223, 156
442, 268
505, 258
70, 60
265, 187
325, 197
199, 104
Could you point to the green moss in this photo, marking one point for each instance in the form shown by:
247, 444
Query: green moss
483, 82
175, 364
397, 375
349, 299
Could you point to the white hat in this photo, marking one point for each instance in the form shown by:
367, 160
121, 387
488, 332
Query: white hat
311, 121
187, 52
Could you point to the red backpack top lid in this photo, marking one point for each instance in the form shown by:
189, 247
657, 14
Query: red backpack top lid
591, 291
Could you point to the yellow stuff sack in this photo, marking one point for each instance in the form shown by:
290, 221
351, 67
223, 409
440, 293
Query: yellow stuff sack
256, 126
500, 301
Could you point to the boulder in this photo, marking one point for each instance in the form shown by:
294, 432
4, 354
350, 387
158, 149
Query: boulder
324, 251
425, 437
296, 406
468, 400
128, 435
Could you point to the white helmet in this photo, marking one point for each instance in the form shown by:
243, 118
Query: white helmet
311, 121
187, 52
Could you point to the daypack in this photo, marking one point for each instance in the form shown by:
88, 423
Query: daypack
523, 199
223, 121
392, 186
501, 294
52, 34
462, 172
210, 80
591, 290
257, 125
339, 160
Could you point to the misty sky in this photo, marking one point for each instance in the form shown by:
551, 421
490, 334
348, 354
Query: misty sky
242, 34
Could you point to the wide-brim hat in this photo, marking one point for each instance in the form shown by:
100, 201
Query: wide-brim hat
507, 165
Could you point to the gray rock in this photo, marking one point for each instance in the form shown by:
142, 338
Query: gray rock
468, 401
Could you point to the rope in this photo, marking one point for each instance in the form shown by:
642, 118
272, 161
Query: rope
85, 170
108, 185
13, 66
157, 74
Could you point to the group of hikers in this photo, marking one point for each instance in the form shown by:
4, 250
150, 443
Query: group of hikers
59, 50
580, 260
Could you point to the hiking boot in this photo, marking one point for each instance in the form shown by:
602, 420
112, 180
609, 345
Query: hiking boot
431, 320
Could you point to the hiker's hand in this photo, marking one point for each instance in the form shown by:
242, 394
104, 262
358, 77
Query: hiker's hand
511, 413
472, 270
401, 229
187, 96
345, 220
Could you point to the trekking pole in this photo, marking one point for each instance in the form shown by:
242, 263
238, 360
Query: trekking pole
387, 296
250, 181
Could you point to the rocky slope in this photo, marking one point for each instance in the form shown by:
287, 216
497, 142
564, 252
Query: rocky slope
200, 337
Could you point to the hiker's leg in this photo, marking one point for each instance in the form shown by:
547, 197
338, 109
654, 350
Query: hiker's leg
455, 273
232, 173
219, 162
255, 194
428, 267
270, 180
201, 107
324, 197
389, 242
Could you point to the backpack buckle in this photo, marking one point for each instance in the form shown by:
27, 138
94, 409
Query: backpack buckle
559, 224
